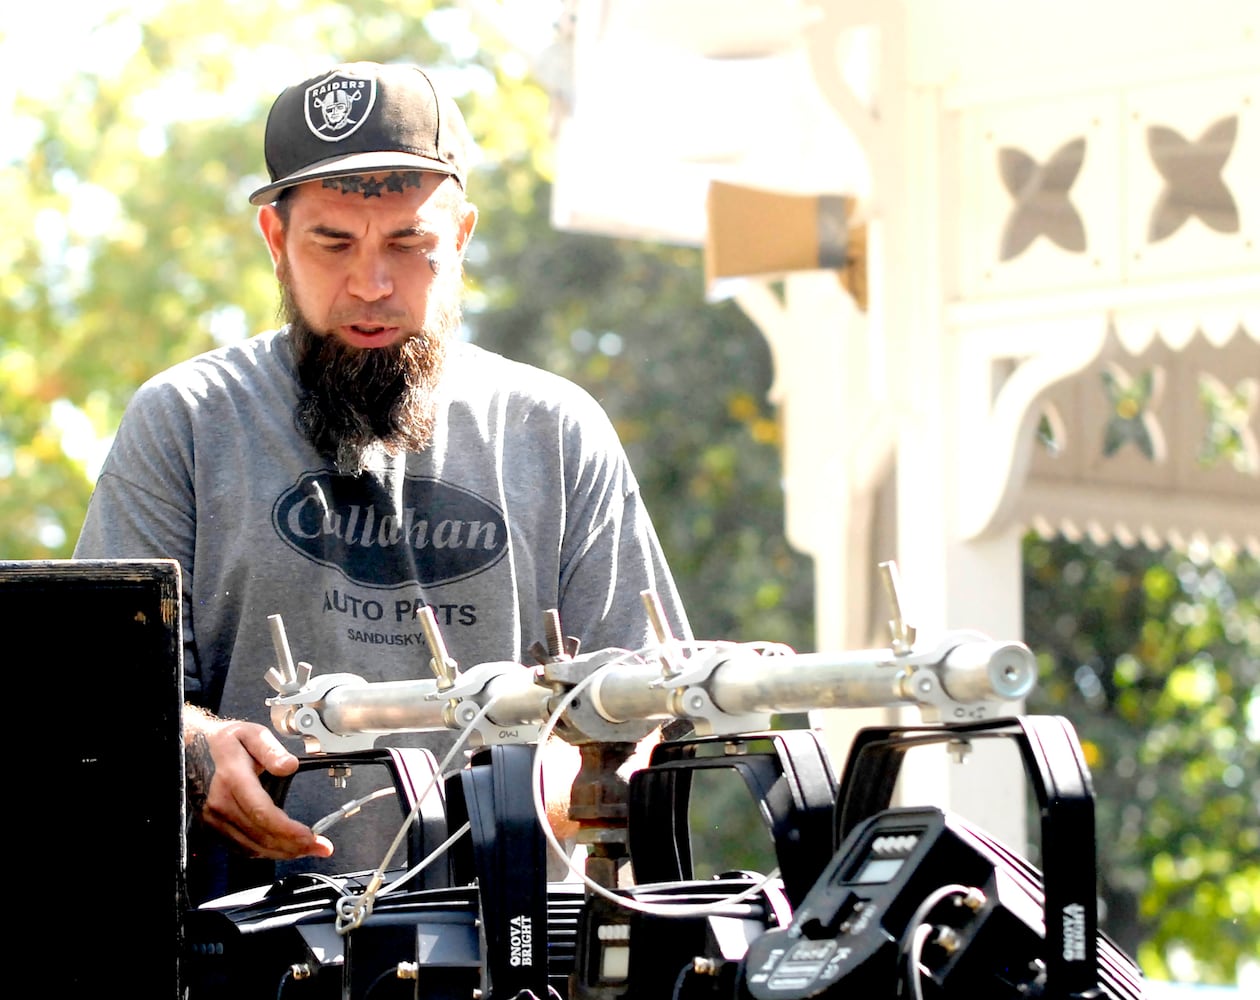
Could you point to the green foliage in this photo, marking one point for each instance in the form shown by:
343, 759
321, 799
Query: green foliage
1156, 659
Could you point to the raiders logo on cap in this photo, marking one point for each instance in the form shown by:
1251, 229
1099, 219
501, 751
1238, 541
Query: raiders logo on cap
337, 105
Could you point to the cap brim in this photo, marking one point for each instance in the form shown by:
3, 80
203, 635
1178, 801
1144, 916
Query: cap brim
348, 166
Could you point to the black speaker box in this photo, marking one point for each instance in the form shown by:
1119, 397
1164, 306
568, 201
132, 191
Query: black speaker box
96, 847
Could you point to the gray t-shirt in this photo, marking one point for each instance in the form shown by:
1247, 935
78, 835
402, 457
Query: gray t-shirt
523, 503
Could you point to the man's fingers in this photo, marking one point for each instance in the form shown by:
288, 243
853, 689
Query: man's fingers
225, 758
276, 849
257, 825
268, 751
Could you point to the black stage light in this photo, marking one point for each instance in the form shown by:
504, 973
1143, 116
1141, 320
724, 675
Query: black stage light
920, 903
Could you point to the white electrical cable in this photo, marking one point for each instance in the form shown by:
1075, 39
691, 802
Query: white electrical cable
353, 910
917, 932
351, 808
639, 906
913, 975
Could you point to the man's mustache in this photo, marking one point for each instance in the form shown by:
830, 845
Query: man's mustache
368, 316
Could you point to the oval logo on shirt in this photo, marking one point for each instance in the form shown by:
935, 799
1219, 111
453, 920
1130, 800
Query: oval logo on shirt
432, 533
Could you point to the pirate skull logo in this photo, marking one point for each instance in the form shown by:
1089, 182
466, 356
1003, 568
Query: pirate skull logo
337, 105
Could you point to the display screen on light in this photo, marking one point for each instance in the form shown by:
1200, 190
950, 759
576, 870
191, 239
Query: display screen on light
878, 870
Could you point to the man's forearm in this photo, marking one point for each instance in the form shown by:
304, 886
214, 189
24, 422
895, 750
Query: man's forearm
198, 761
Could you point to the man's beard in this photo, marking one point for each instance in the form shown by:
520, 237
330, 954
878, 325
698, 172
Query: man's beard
360, 401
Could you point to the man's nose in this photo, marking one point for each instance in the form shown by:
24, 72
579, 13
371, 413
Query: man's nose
370, 276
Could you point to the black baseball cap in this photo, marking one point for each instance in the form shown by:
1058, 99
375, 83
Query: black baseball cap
362, 118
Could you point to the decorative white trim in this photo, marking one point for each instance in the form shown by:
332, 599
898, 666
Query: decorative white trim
997, 419
1133, 517
998, 429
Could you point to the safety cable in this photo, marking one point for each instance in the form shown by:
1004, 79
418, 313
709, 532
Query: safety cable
352, 910
351, 808
639, 906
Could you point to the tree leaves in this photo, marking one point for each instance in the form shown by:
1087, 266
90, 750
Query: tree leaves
1172, 640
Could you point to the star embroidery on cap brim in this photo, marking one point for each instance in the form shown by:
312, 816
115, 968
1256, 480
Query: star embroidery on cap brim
1132, 420
1193, 185
1042, 206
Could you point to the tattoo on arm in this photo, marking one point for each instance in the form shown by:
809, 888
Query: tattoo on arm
199, 772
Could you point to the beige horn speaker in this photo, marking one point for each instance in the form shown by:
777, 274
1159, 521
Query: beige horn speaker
757, 232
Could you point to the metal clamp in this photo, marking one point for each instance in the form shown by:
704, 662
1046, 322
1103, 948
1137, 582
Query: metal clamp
691, 698
296, 713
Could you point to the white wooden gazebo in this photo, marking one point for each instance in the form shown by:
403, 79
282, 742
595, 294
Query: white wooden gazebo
1006, 255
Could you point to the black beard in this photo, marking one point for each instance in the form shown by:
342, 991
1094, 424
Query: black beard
359, 400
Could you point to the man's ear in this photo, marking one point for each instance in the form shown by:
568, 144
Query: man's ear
272, 228
466, 226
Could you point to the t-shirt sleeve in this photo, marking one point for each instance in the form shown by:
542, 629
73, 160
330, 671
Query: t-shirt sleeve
142, 506
612, 553
602, 589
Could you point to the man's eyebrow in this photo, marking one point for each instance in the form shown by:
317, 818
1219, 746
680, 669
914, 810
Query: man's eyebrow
328, 232
407, 232
412, 232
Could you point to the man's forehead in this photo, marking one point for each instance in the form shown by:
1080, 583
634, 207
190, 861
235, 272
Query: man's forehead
370, 187
409, 193
378, 185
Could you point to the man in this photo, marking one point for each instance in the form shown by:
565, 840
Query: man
361, 462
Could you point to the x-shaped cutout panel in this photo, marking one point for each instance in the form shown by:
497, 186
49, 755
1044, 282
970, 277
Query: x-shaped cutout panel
1042, 206
1193, 186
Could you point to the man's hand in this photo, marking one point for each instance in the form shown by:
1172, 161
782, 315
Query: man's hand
224, 758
